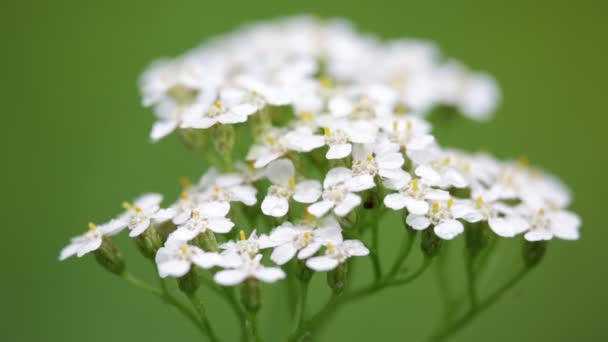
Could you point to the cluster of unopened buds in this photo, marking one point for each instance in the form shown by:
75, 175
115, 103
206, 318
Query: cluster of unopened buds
334, 131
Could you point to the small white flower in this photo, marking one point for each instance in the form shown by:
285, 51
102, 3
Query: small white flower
303, 239
176, 258
439, 167
229, 187
503, 220
284, 186
209, 215
544, 225
336, 255
244, 246
143, 212
91, 240
202, 115
183, 208
249, 267
339, 189
382, 158
412, 194
340, 134
441, 217
410, 132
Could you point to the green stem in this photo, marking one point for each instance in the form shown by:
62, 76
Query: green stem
200, 308
453, 328
301, 305
253, 327
406, 248
375, 257
471, 284
141, 285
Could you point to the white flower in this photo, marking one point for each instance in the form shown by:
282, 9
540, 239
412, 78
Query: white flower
303, 239
230, 187
144, 210
203, 115
244, 246
382, 158
412, 194
91, 240
209, 215
410, 132
183, 208
544, 225
441, 217
503, 220
284, 186
339, 189
336, 255
439, 167
341, 133
176, 258
249, 267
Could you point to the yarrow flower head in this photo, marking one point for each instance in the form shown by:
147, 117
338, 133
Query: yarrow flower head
313, 136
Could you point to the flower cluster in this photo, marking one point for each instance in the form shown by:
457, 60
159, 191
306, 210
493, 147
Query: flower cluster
336, 127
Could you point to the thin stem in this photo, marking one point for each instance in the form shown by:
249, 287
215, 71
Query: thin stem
453, 328
200, 308
253, 327
301, 305
131, 279
471, 284
375, 257
406, 248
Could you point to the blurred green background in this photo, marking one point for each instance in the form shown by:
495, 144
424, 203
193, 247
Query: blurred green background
75, 145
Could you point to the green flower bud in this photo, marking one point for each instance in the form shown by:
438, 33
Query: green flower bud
430, 244
194, 139
222, 138
337, 278
304, 273
189, 283
533, 252
109, 257
149, 242
206, 241
251, 297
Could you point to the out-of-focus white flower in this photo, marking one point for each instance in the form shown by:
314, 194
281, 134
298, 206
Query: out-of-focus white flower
339, 190
91, 240
284, 187
276, 143
382, 158
230, 187
176, 258
544, 225
336, 255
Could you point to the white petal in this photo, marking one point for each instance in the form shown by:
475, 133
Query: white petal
449, 229
303, 141
280, 171
276, 206
417, 207
538, 235
89, 246
214, 209
282, 254
174, 268
269, 274
245, 194
427, 173
220, 225
338, 151
148, 200
205, 260
266, 159
502, 227
360, 183
244, 109
437, 195
307, 191
418, 222
390, 161
309, 250
161, 129
140, 228
231, 118
322, 263
565, 225
348, 203
395, 201
164, 215
230, 277
183, 234
337, 175
320, 208
355, 248
69, 250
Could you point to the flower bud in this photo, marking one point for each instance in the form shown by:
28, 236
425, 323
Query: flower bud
109, 257
304, 273
149, 242
430, 244
189, 283
206, 241
250, 295
533, 252
194, 139
337, 278
222, 138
